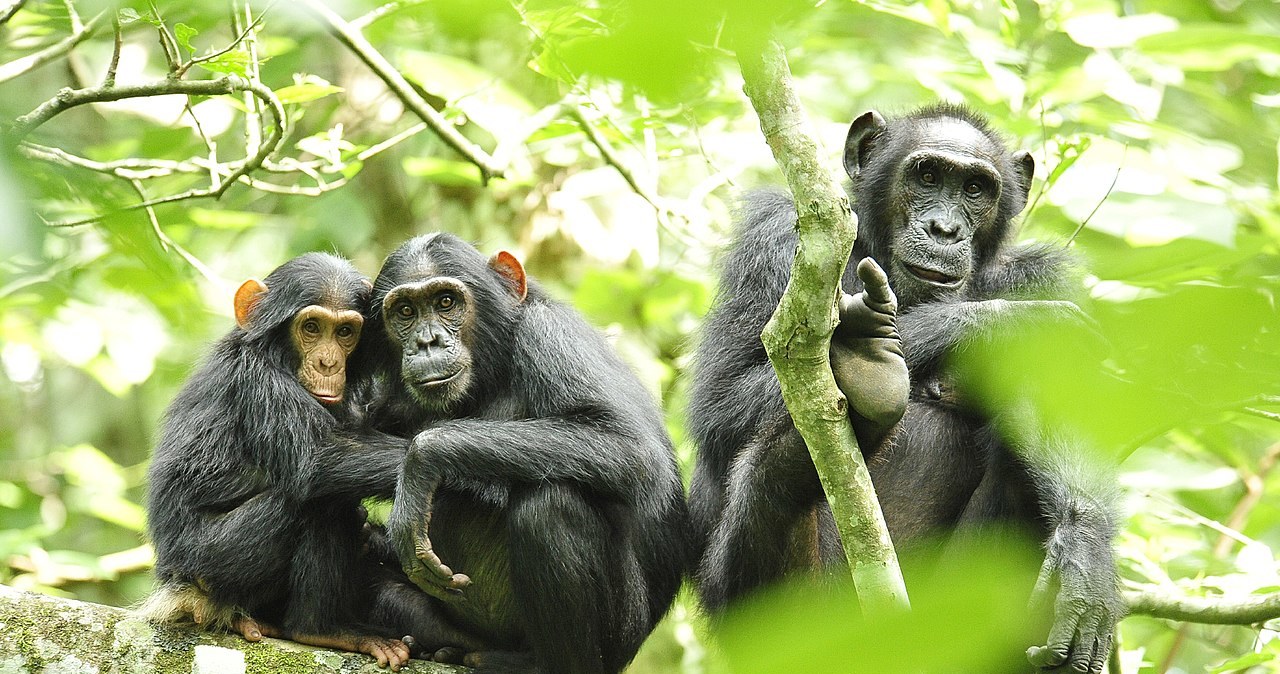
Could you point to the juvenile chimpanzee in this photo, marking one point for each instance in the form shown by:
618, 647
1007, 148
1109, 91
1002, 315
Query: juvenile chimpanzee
254, 497
540, 463
935, 192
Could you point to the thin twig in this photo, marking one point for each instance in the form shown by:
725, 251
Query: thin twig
355, 41
170, 244
30, 62
110, 79
182, 70
363, 21
168, 42
11, 9
1103, 200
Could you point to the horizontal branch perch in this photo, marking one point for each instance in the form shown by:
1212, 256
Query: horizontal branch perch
50, 634
1206, 610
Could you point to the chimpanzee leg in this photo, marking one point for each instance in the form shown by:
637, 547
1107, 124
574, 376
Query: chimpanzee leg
402, 608
772, 488
560, 554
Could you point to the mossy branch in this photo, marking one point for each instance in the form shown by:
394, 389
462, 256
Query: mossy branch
51, 634
798, 336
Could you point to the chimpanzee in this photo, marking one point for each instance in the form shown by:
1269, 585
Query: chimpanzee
935, 193
254, 496
540, 463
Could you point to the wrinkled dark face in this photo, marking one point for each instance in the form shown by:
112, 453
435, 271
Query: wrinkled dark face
934, 188
431, 321
948, 190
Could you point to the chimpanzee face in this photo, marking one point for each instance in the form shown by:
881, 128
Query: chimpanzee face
324, 338
948, 189
939, 192
431, 321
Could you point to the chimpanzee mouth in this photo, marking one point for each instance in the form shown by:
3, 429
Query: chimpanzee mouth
933, 276
436, 382
327, 399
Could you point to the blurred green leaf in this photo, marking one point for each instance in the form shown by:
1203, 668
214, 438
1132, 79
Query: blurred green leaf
1210, 46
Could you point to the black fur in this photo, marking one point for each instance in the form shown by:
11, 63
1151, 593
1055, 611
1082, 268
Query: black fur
558, 492
758, 510
254, 496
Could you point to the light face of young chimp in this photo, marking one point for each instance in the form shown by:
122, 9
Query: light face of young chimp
431, 322
324, 339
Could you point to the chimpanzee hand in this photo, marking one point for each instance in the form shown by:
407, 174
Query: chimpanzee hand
410, 522
866, 353
1085, 611
426, 570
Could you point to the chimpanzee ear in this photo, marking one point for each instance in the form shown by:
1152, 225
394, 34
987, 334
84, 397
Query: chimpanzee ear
1024, 169
247, 297
510, 268
857, 145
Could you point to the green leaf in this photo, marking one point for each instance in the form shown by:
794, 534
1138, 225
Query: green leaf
184, 33
443, 171
1209, 47
1243, 662
307, 88
210, 218
234, 62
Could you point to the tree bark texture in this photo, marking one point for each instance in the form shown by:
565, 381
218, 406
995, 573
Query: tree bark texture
798, 336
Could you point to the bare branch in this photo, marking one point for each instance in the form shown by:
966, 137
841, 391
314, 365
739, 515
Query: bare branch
611, 158
1206, 610
30, 62
110, 79
352, 39
9, 10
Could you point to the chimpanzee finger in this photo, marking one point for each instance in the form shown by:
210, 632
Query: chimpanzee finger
1085, 646
1058, 646
1100, 654
876, 284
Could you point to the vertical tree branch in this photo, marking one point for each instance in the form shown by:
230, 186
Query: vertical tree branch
798, 336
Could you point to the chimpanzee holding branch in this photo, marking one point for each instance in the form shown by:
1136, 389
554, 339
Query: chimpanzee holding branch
541, 470
936, 193
254, 497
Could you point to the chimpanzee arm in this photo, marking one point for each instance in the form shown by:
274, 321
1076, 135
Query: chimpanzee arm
357, 464
578, 450
1078, 496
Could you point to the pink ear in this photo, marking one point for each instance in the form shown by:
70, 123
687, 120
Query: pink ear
510, 268
247, 297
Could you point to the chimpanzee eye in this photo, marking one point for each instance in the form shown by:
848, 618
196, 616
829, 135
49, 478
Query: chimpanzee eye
445, 301
973, 188
928, 177
311, 326
345, 331
405, 310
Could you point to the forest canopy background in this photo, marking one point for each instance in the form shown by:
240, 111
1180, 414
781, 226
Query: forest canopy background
605, 143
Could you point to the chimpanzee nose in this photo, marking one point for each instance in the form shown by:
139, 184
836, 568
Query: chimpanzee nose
944, 231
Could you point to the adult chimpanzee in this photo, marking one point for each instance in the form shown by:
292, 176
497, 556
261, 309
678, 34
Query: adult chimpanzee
254, 499
935, 192
540, 462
